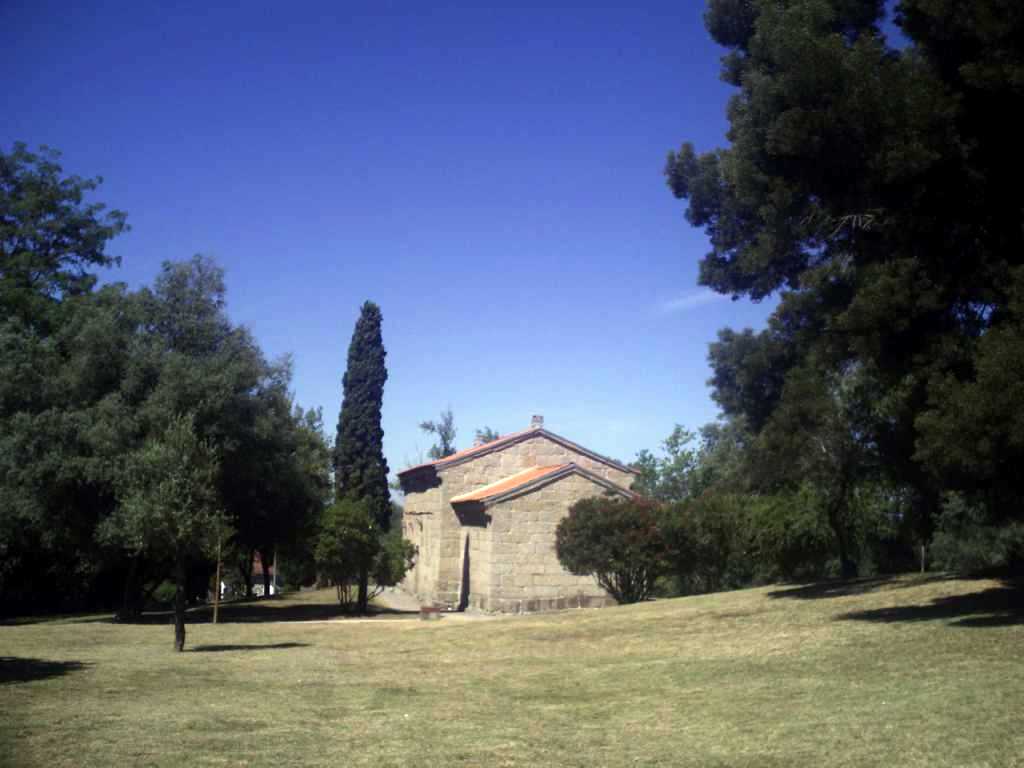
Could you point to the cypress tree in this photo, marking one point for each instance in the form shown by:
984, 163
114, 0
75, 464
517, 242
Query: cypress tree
360, 470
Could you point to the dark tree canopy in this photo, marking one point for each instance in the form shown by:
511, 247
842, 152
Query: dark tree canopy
360, 469
90, 376
876, 190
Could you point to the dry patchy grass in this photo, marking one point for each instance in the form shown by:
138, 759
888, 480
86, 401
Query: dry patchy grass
910, 671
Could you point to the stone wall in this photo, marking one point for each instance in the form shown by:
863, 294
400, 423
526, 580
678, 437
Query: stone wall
433, 526
525, 574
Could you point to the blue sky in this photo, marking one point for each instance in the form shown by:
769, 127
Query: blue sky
489, 175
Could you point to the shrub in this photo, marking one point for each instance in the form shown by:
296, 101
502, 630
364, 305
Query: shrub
707, 539
790, 535
619, 542
346, 546
966, 541
350, 542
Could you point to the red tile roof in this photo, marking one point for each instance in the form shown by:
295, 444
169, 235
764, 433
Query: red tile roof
509, 484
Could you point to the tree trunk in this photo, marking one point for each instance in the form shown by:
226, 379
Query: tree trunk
130, 603
180, 575
847, 565
216, 581
245, 569
364, 591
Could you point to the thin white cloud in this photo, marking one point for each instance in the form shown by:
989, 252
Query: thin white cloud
691, 300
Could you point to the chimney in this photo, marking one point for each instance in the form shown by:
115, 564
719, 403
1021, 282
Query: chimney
536, 421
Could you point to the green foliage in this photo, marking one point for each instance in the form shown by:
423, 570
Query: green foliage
688, 466
867, 186
974, 430
619, 542
360, 469
967, 541
89, 377
395, 556
168, 496
444, 430
347, 546
708, 539
164, 594
50, 238
351, 544
169, 504
790, 535
485, 435
669, 477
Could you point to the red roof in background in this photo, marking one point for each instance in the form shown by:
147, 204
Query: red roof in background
510, 483
257, 566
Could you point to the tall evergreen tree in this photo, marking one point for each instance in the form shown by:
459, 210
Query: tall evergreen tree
360, 469
874, 188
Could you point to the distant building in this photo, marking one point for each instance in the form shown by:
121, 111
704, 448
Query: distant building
257, 576
484, 522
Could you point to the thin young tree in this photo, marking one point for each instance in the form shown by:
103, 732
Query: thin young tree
360, 469
444, 430
169, 504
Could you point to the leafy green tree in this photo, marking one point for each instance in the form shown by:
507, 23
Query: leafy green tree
346, 547
867, 184
51, 240
360, 469
619, 542
669, 477
169, 503
721, 462
395, 556
88, 375
690, 465
350, 544
62, 349
967, 541
810, 438
444, 430
707, 539
972, 434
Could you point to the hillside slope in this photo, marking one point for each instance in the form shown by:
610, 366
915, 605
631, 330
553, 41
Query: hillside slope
912, 671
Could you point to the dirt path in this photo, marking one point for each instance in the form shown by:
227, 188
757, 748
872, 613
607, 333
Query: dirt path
397, 600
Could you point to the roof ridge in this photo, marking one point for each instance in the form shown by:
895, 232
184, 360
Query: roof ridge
468, 453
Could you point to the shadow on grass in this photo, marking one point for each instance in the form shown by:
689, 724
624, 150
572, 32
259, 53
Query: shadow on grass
995, 607
838, 588
18, 670
241, 612
254, 647
992, 607
255, 612
20, 621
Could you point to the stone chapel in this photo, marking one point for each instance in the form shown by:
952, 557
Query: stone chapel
484, 520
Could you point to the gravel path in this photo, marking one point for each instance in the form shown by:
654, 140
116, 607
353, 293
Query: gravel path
397, 600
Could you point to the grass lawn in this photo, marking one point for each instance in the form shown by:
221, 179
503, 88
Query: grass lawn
912, 671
